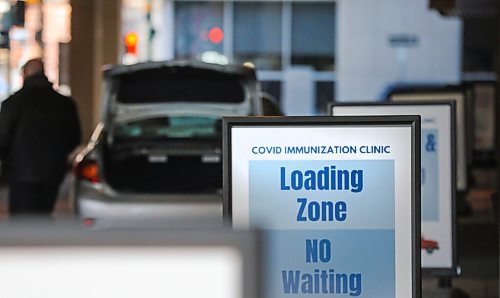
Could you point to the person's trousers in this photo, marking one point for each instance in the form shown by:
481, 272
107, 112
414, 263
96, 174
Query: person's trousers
32, 198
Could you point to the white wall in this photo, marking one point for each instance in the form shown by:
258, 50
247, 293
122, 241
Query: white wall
366, 62
163, 23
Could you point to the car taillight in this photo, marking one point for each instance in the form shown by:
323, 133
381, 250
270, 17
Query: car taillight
88, 222
88, 170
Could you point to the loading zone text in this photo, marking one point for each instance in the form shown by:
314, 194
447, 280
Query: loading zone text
328, 178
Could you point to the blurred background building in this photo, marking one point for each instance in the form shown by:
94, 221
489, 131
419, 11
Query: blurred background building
34, 29
292, 44
310, 53
307, 53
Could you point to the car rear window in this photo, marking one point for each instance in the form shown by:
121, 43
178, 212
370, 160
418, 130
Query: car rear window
170, 128
178, 84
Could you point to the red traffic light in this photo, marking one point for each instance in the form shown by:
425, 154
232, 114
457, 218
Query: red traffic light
216, 35
131, 40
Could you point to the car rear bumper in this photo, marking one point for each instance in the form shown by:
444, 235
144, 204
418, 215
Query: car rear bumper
113, 210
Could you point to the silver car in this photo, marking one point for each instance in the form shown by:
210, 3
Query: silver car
156, 156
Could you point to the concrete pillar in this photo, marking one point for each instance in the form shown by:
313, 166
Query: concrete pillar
497, 118
95, 32
497, 68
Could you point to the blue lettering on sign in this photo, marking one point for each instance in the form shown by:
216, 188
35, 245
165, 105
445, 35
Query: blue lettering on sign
328, 178
321, 211
266, 150
430, 177
321, 249
321, 282
431, 143
375, 149
312, 268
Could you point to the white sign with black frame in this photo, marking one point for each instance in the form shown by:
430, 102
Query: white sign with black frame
437, 174
337, 198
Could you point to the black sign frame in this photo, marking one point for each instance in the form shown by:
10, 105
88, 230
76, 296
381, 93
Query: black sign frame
303, 121
433, 271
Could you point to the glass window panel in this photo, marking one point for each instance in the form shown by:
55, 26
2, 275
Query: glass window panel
197, 29
479, 44
272, 87
313, 35
324, 96
257, 34
271, 97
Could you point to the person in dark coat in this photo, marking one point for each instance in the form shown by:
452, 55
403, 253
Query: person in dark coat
38, 129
